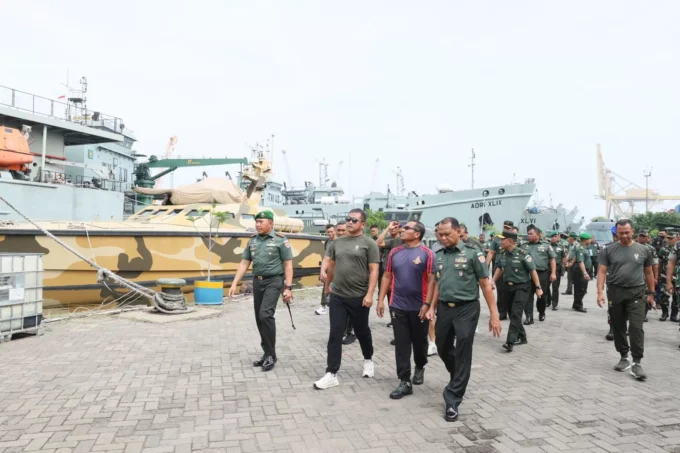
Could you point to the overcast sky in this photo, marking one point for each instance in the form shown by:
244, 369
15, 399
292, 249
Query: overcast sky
532, 86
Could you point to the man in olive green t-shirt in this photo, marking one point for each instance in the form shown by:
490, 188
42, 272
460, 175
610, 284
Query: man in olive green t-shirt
353, 272
626, 267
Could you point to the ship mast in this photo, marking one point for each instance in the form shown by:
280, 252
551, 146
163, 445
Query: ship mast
472, 167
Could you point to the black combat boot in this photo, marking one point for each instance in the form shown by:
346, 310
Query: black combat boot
664, 313
674, 314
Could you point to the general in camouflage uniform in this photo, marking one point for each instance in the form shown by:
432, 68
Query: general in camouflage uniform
665, 298
271, 256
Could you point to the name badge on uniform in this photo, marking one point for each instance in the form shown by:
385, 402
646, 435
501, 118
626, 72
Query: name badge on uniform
460, 273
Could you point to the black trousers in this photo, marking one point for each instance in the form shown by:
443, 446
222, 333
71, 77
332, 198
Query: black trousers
541, 302
266, 296
628, 304
502, 297
342, 309
409, 333
518, 294
456, 323
570, 280
580, 286
555, 287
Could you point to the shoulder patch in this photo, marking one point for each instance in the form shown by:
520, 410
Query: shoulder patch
522, 251
281, 235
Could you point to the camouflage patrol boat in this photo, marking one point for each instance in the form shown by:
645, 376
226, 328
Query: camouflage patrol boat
169, 240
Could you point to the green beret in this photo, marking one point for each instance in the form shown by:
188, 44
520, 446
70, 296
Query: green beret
573, 235
553, 233
585, 236
265, 215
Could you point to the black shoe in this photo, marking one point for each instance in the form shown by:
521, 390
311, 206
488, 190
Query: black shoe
451, 413
268, 363
567, 293
541, 316
674, 318
259, 362
508, 346
419, 376
664, 316
637, 372
402, 390
610, 335
520, 341
581, 310
555, 308
646, 319
393, 343
529, 321
349, 338
389, 324
503, 317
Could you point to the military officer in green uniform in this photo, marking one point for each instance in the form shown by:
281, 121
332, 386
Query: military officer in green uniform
578, 262
517, 269
560, 264
460, 270
543, 257
571, 239
272, 257
492, 260
465, 237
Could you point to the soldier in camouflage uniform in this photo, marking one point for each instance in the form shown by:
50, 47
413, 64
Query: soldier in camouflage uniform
665, 297
672, 273
644, 239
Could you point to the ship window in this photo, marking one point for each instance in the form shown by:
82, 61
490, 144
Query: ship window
247, 217
196, 213
401, 216
145, 214
173, 213
501, 191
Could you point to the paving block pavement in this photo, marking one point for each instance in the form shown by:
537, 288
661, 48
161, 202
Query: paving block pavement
107, 384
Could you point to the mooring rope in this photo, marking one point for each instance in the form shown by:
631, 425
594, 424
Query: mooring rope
163, 302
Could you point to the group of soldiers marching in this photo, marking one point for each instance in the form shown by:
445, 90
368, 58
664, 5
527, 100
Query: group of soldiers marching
434, 292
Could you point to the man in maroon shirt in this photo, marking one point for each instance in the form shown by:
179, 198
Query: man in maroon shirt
409, 275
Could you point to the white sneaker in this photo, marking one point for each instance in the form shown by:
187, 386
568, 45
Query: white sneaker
369, 368
327, 381
432, 349
321, 310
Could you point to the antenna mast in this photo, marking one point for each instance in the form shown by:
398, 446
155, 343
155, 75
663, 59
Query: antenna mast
472, 166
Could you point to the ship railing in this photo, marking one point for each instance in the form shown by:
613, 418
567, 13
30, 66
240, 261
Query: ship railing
64, 111
85, 182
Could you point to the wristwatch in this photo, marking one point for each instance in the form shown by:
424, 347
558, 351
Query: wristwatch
290, 288
427, 304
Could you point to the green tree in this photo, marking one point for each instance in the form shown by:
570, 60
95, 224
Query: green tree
653, 220
375, 218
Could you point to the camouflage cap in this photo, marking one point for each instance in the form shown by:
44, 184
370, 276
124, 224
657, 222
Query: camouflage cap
671, 234
643, 233
265, 215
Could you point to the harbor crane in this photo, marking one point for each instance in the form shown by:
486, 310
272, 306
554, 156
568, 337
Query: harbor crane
169, 151
617, 191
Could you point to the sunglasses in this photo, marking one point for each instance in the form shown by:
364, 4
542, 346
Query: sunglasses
406, 227
352, 220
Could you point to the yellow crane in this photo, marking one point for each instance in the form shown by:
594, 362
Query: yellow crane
616, 191
169, 151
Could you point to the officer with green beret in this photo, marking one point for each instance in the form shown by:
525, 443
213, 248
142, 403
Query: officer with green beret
492, 259
560, 265
518, 271
582, 262
460, 271
543, 257
272, 260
